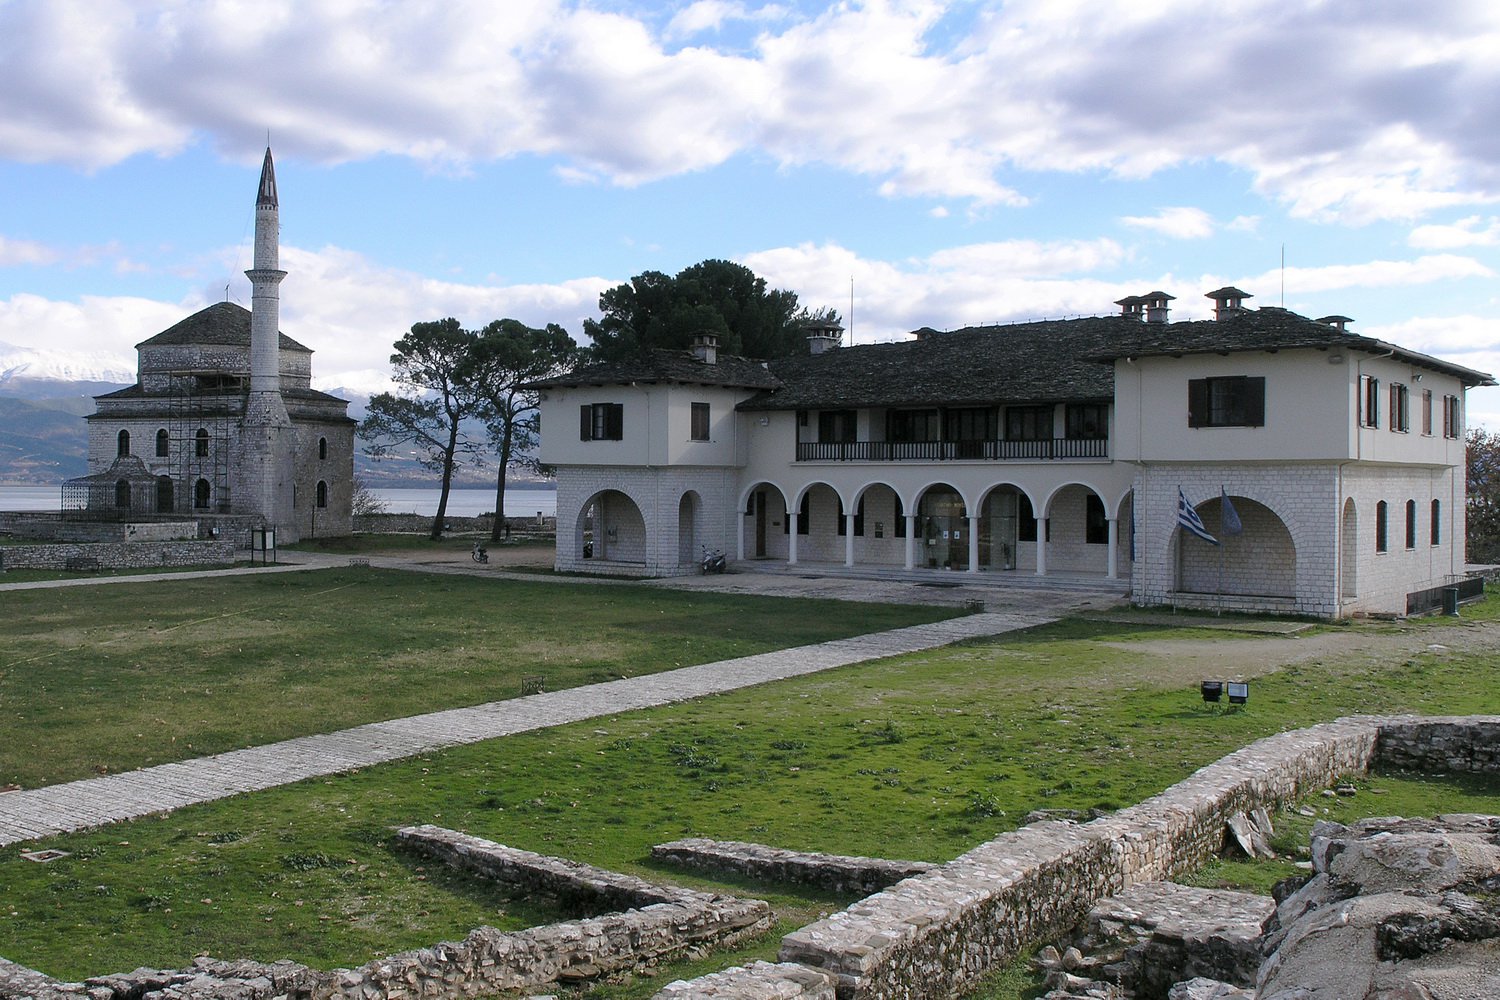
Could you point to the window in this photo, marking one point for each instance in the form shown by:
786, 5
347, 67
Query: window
122, 445
1088, 421
700, 422
1227, 401
1435, 531
1452, 421
859, 518
912, 425
201, 494
322, 494
1411, 524
322, 448
1400, 417
200, 443
1427, 412
1369, 403
971, 423
601, 422
1095, 524
122, 493
1028, 423
804, 515
1025, 519
163, 443
1380, 532
837, 426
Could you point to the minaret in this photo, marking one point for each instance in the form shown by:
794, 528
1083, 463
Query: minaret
267, 439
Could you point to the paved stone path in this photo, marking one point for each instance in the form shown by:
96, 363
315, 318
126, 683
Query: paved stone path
40, 812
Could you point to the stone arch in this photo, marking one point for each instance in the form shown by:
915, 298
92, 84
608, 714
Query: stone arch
1349, 550
765, 506
689, 514
200, 442
165, 501
322, 448
202, 494
942, 528
611, 528
1260, 562
1007, 528
321, 496
818, 505
1077, 526
883, 541
163, 443
122, 444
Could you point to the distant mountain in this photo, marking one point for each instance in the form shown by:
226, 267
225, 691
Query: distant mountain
23, 365
40, 445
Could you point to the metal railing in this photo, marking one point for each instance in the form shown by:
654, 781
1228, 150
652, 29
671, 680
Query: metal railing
951, 451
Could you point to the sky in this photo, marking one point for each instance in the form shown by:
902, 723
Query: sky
932, 164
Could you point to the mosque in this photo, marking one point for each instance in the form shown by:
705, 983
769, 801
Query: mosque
222, 425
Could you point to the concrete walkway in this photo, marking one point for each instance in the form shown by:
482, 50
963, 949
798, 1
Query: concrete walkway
77, 805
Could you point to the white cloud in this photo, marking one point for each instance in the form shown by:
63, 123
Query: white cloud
1182, 223
1402, 123
1373, 274
1469, 232
14, 252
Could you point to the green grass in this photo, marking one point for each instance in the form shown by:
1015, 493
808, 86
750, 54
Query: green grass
104, 679
921, 756
41, 575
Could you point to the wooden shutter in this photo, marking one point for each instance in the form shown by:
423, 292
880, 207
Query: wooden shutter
1255, 401
614, 421
1197, 402
585, 422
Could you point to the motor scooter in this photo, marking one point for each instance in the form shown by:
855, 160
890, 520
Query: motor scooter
713, 562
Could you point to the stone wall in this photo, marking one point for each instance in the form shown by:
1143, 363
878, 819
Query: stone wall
933, 934
834, 872
117, 555
422, 524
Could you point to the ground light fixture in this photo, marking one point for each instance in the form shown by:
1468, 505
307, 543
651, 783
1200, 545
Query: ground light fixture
1238, 691
1212, 690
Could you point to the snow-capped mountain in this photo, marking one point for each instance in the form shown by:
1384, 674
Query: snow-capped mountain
39, 365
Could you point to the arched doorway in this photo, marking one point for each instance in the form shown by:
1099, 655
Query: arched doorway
201, 494
1349, 550
1261, 561
164, 498
610, 528
942, 529
1007, 530
880, 526
765, 513
688, 510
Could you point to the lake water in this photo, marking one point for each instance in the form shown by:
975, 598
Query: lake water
461, 503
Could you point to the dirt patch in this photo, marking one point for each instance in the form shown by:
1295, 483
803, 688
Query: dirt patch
1190, 660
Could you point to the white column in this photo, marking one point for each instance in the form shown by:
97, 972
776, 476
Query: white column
1041, 546
791, 537
848, 539
973, 522
1113, 572
911, 540
739, 540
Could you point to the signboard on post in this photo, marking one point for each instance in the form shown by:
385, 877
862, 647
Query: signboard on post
263, 541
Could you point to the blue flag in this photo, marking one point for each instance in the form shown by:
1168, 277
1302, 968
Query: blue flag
1188, 518
1229, 518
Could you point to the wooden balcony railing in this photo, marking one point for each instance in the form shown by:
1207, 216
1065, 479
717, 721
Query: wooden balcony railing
951, 451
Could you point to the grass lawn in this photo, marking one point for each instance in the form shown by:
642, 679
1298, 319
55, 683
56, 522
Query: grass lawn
104, 679
920, 756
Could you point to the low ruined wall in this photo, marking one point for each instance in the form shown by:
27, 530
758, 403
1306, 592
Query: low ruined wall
117, 555
834, 872
757, 981
521, 525
934, 933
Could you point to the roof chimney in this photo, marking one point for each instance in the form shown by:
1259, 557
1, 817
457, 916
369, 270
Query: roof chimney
1228, 301
1337, 322
1130, 307
824, 336
706, 347
1156, 306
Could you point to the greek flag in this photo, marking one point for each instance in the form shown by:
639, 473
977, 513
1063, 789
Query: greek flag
1188, 518
1229, 518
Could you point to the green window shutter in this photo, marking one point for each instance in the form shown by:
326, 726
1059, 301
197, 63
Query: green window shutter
1197, 402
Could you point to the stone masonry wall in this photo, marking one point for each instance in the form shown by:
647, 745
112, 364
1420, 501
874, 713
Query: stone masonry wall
118, 555
655, 922
932, 934
837, 873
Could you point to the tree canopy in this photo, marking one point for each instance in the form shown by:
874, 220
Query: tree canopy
1483, 515
716, 296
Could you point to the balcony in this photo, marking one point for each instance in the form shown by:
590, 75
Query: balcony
953, 451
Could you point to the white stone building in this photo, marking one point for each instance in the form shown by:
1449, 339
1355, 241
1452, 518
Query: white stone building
1054, 449
223, 425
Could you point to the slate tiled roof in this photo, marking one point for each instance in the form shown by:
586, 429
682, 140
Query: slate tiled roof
1024, 362
1264, 329
306, 395
668, 366
223, 323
